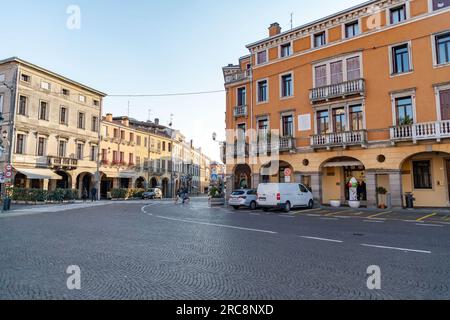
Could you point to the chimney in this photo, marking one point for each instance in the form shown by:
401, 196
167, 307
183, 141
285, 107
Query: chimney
157, 121
109, 117
274, 29
126, 122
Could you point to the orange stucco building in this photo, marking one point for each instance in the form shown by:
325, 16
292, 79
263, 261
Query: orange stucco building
363, 93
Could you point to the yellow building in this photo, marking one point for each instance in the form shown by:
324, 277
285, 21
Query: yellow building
51, 128
363, 93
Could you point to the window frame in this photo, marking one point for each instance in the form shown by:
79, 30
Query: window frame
430, 174
285, 115
392, 61
430, 7
258, 101
327, 63
344, 29
45, 89
406, 5
244, 88
24, 81
283, 45
347, 105
83, 126
66, 120
258, 63
44, 146
47, 110
281, 88
403, 94
434, 47
27, 99
313, 39
24, 143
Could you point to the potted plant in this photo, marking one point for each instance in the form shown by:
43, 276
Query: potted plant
354, 203
216, 197
382, 197
335, 203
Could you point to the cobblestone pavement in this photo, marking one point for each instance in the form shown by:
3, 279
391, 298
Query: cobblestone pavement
158, 250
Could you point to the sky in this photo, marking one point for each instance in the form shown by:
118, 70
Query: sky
152, 47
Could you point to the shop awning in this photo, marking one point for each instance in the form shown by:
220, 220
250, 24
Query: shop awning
126, 175
343, 164
39, 174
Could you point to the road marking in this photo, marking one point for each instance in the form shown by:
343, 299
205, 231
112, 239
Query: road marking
255, 214
143, 210
217, 225
398, 249
379, 214
338, 212
285, 216
321, 239
313, 215
426, 217
343, 217
309, 210
374, 221
429, 225
330, 219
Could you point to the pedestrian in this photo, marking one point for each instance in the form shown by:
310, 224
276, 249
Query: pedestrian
177, 195
185, 196
85, 194
94, 194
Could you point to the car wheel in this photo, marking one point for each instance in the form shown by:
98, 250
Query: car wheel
235, 207
287, 207
253, 205
311, 204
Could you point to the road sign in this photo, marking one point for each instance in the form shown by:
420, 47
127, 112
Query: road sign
214, 177
8, 174
287, 172
8, 167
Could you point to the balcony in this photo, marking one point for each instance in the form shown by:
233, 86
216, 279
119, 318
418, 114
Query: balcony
60, 162
421, 131
287, 144
240, 111
340, 90
339, 139
238, 76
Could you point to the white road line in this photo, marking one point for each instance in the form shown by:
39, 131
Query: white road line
374, 221
429, 225
321, 239
285, 216
398, 249
313, 215
309, 210
217, 225
342, 217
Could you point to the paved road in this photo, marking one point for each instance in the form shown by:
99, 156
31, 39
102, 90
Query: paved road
156, 250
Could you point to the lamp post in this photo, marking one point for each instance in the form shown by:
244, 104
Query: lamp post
4, 194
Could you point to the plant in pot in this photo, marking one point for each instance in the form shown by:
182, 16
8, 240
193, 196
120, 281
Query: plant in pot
382, 197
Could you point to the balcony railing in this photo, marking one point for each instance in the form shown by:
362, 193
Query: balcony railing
240, 111
287, 144
337, 90
62, 162
238, 76
421, 131
336, 139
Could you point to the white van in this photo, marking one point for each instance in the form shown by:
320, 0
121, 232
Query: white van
284, 196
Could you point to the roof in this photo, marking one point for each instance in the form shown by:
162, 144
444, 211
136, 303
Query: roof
54, 74
359, 6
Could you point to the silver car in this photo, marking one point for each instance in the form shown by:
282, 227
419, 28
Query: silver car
243, 198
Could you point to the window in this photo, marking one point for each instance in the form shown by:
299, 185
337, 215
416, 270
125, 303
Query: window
241, 131
263, 126
138, 161
261, 57
443, 48
404, 111
397, 14
351, 29
20, 145
1, 104
93, 153
80, 152
319, 39
422, 175
43, 110
241, 96
115, 156
23, 101
356, 118
94, 125
104, 155
41, 147
62, 148
164, 146
321, 76
122, 134
440, 4
353, 69
339, 120
96, 103
170, 147
337, 74
285, 50
25, 78
400, 59
45, 85
116, 133
323, 122
131, 159
122, 157
81, 118
288, 126
65, 92
82, 98
262, 91
63, 116
138, 140
286, 85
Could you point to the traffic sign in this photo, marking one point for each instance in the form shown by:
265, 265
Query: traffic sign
8, 167
8, 174
287, 172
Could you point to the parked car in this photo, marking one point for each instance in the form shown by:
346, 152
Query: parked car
154, 193
284, 196
243, 198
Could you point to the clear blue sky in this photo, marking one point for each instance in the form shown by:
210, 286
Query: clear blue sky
152, 47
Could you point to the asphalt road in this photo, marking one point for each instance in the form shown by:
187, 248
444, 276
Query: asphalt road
158, 250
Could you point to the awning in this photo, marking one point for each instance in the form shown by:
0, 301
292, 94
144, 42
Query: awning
126, 175
39, 174
343, 164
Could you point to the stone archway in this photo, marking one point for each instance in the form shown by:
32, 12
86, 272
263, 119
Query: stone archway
141, 183
242, 177
85, 183
275, 172
153, 182
65, 182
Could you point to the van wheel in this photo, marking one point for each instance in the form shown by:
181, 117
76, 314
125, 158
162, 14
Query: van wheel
236, 208
287, 207
311, 204
253, 205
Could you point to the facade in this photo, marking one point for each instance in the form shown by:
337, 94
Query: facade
135, 154
364, 93
50, 128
